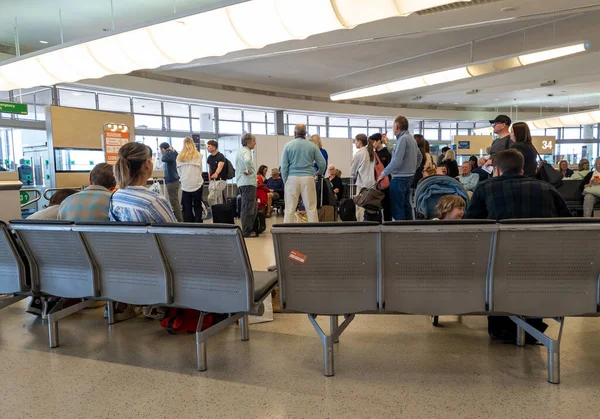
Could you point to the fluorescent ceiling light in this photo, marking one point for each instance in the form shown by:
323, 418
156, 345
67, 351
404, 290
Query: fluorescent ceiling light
250, 24
472, 70
43, 42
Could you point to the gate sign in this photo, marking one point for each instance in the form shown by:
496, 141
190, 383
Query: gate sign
114, 137
544, 144
23, 197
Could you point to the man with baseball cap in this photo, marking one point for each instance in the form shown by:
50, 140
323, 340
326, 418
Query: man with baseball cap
500, 125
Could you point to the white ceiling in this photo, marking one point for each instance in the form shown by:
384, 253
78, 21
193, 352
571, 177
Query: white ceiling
342, 60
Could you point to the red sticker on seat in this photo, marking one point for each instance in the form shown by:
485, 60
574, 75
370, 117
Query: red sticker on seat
297, 256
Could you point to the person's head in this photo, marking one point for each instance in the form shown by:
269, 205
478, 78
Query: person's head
164, 146
400, 124
361, 141
338, 172
60, 195
482, 162
212, 146
332, 170
473, 161
508, 161
134, 165
500, 125
103, 175
563, 166
249, 140
442, 169
376, 141
316, 140
520, 133
263, 170
584, 164
300, 131
421, 144
189, 151
275, 173
445, 150
597, 164
466, 168
450, 207
427, 146
449, 155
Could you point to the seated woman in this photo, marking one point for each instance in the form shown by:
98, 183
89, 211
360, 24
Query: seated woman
264, 196
336, 182
563, 167
582, 170
589, 199
51, 212
451, 164
450, 207
134, 202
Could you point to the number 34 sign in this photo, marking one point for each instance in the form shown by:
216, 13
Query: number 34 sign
544, 145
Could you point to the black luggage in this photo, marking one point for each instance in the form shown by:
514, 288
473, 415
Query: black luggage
347, 210
325, 194
260, 223
224, 213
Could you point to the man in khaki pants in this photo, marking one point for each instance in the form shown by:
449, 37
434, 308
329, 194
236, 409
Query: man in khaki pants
298, 172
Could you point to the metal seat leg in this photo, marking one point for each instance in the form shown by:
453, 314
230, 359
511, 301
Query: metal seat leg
328, 340
202, 337
57, 313
520, 336
245, 328
333, 327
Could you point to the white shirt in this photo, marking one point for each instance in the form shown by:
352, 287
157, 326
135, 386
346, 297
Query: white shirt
190, 174
363, 169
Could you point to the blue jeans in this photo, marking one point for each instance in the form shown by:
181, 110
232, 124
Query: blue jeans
400, 197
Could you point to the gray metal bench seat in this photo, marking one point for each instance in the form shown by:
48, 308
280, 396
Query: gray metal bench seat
202, 267
522, 268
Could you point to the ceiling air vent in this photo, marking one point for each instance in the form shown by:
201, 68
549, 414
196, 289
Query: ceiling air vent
455, 6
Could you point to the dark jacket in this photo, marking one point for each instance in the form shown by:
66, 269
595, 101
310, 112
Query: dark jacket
338, 184
530, 154
277, 186
483, 175
569, 173
586, 180
452, 166
169, 158
515, 196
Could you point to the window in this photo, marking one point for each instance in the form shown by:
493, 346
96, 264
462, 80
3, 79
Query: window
203, 119
146, 106
114, 103
447, 134
68, 160
572, 133
431, 134
317, 120
464, 131
148, 122
377, 123
256, 128
296, 119
338, 132
271, 117
358, 122
176, 109
228, 127
179, 124
372, 131
177, 144
271, 129
337, 121
553, 132
353, 131
254, 116
84, 100
230, 114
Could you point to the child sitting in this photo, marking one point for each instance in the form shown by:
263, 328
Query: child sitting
450, 207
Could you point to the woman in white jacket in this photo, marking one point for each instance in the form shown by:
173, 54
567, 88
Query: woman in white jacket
189, 167
362, 169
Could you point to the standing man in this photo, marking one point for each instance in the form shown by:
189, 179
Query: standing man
216, 173
468, 179
246, 182
501, 127
405, 160
172, 183
297, 170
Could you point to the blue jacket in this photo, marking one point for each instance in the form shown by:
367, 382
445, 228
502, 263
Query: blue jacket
277, 186
169, 158
406, 157
299, 157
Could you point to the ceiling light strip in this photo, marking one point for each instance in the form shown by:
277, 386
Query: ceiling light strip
472, 70
251, 24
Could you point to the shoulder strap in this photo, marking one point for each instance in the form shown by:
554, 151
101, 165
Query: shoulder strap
110, 207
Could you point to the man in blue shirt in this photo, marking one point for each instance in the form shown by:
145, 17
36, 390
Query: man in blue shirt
172, 183
297, 170
406, 157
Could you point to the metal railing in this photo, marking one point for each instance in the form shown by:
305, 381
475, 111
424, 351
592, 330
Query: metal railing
34, 200
48, 192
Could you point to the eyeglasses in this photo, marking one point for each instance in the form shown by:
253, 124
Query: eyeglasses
496, 123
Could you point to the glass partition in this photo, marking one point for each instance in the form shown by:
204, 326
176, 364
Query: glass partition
77, 160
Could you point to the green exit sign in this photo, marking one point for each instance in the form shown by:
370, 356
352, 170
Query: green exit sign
9, 107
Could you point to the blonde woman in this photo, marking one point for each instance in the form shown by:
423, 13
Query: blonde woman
450, 207
317, 141
451, 163
189, 167
134, 202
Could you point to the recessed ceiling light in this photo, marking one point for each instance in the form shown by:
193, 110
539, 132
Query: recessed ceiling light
43, 42
496, 99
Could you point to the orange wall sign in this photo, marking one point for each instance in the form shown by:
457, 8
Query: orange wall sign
114, 137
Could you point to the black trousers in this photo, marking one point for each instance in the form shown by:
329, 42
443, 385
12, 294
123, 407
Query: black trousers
192, 206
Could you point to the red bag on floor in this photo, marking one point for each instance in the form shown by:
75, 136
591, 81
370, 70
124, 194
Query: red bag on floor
185, 320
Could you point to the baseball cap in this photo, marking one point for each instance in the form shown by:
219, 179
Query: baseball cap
502, 119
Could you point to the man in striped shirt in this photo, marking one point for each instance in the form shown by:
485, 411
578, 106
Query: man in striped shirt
93, 202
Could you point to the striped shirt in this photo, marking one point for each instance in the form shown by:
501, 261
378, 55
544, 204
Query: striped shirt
91, 204
139, 204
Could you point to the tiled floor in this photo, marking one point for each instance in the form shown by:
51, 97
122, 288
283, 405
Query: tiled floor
386, 366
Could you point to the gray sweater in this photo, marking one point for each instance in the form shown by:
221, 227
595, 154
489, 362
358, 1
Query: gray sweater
405, 158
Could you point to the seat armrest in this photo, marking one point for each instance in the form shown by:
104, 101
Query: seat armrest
272, 268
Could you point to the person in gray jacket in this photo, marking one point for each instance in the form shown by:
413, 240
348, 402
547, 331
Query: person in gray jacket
405, 160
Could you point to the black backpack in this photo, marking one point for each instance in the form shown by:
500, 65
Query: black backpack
347, 210
229, 170
260, 222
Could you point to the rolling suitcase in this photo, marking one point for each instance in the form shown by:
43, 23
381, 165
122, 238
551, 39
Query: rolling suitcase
224, 213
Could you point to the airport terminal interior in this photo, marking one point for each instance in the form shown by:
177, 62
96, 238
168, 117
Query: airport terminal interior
216, 301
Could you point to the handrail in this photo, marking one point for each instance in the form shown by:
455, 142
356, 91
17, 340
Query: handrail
46, 192
34, 200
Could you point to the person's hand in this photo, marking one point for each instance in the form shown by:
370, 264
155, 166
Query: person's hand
336, 190
171, 148
213, 176
594, 182
245, 172
271, 190
384, 139
380, 178
587, 186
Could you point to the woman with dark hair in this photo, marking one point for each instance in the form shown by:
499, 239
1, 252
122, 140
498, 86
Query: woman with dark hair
521, 137
423, 149
383, 154
51, 212
362, 168
450, 163
264, 196
429, 163
473, 161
